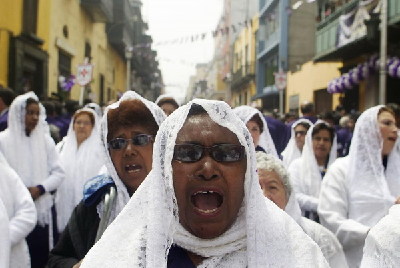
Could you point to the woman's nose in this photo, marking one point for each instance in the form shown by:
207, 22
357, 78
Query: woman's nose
208, 169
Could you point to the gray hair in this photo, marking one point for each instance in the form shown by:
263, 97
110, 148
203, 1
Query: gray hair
271, 163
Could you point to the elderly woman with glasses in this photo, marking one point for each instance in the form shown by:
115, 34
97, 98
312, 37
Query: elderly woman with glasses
127, 130
275, 184
296, 143
201, 205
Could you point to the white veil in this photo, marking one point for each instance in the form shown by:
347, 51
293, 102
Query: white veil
383, 241
245, 113
310, 173
122, 193
79, 164
143, 232
291, 151
371, 187
23, 152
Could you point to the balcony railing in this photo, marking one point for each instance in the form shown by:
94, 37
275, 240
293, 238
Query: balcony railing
243, 75
327, 29
99, 10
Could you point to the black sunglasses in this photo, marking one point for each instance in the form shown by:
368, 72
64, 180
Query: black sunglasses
301, 133
138, 140
221, 152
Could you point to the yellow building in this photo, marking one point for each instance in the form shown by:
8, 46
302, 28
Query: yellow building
243, 85
24, 35
310, 84
43, 42
77, 34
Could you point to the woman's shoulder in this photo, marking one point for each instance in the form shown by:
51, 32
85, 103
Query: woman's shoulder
96, 187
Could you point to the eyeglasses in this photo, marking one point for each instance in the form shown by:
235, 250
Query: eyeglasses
138, 140
300, 132
221, 152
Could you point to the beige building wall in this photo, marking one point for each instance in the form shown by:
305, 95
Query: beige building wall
81, 30
311, 77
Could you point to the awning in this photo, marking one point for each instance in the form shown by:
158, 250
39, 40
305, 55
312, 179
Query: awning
267, 91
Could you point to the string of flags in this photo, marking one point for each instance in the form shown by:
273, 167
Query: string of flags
221, 31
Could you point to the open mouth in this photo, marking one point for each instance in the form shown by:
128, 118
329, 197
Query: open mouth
133, 168
207, 202
392, 139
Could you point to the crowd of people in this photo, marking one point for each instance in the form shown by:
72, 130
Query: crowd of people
155, 184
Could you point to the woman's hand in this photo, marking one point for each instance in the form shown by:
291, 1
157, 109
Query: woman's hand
77, 265
35, 192
397, 201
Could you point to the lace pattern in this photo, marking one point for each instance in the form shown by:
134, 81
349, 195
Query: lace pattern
291, 151
382, 243
122, 193
245, 113
368, 181
27, 152
141, 235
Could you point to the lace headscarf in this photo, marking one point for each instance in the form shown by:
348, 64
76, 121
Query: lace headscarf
310, 173
122, 192
80, 164
369, 183
24, 152
165, 96
291, 151
262, 236
383, 241
245, 113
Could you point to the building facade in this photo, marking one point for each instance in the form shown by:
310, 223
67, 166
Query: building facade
285, 41
46, 42
348, 31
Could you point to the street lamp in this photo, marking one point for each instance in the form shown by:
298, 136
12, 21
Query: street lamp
128, 56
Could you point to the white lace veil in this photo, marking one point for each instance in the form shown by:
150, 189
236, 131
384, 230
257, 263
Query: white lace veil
291, 151
165, 96
310, 173
122, 193
23, 152
245, 113
143, 232
369, 182
79, 164
383, 241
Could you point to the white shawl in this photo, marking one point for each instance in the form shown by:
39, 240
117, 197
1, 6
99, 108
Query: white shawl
143, 232
21, 213
5, 239
305, 173
28, 156
372, 190
245, 113
80, 164
291, 151
122, 193
383, 242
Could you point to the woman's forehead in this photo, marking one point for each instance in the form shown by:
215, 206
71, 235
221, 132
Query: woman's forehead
202, 126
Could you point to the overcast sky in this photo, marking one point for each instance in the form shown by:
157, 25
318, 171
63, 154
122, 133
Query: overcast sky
171, 20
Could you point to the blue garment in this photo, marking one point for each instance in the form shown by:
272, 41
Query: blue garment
344, 136
279, 132
178, 258
96, 187
3, 121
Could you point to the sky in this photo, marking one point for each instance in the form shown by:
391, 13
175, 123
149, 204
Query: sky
171, 20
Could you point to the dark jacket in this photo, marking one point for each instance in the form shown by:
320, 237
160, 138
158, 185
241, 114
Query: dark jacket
80, 233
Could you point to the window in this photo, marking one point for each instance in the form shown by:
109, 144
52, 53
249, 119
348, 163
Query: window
64, 67
30, 10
